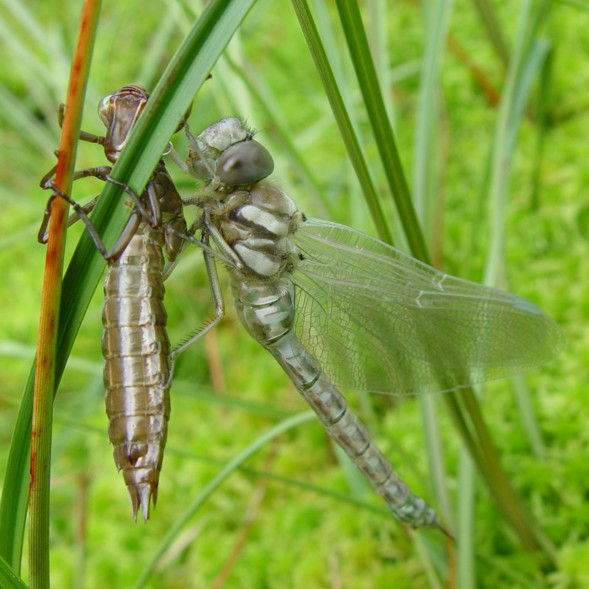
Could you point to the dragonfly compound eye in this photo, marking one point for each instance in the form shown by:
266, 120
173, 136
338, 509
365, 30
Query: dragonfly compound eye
244, 163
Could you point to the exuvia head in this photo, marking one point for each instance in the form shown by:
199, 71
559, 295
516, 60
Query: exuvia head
119, 112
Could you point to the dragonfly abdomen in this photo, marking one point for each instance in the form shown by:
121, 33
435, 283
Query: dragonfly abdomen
267, 312
136, 351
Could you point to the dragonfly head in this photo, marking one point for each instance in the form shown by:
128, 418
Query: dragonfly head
119, 112
226, 154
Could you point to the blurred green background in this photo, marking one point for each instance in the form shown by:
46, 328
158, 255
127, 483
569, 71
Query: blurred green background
268, 531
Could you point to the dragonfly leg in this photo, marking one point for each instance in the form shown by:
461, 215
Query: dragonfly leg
154, 205
220, 241
226, 255
84, 135
177, 160
101, 172
152, 218
125, 236
175, 238
47, 180
80, 213
187, 236
219, 306
43, 234
48, 183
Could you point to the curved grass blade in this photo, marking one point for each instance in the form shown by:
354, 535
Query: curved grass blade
221, 477
425, 197
187, 70
8, 578
528, 54
353, 29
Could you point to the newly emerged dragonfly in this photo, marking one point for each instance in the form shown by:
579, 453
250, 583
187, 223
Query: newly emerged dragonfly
135, 343
339, 309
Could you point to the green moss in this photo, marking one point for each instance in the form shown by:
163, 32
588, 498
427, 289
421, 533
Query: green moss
298, 536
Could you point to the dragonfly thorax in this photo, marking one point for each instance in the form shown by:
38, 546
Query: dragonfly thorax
258, 224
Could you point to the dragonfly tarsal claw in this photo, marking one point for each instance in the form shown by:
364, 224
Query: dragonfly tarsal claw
446, 533
173, 155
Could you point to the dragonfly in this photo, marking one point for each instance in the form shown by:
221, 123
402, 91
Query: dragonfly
338, 309
135, 343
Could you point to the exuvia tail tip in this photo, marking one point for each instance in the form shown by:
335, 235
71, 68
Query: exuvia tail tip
141, 497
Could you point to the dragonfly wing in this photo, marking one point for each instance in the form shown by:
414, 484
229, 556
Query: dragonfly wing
380, 320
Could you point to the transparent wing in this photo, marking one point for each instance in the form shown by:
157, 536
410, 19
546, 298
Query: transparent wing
381, 321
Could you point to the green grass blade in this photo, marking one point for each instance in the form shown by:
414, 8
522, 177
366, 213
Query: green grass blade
541, 115
426, 173
15, 488
426, 161
369, 85
465, 569
527, 57
342, 116
45, 373
8, 578
493, 30
528, 419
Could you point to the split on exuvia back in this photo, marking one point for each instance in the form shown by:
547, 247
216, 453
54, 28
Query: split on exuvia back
335, 308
